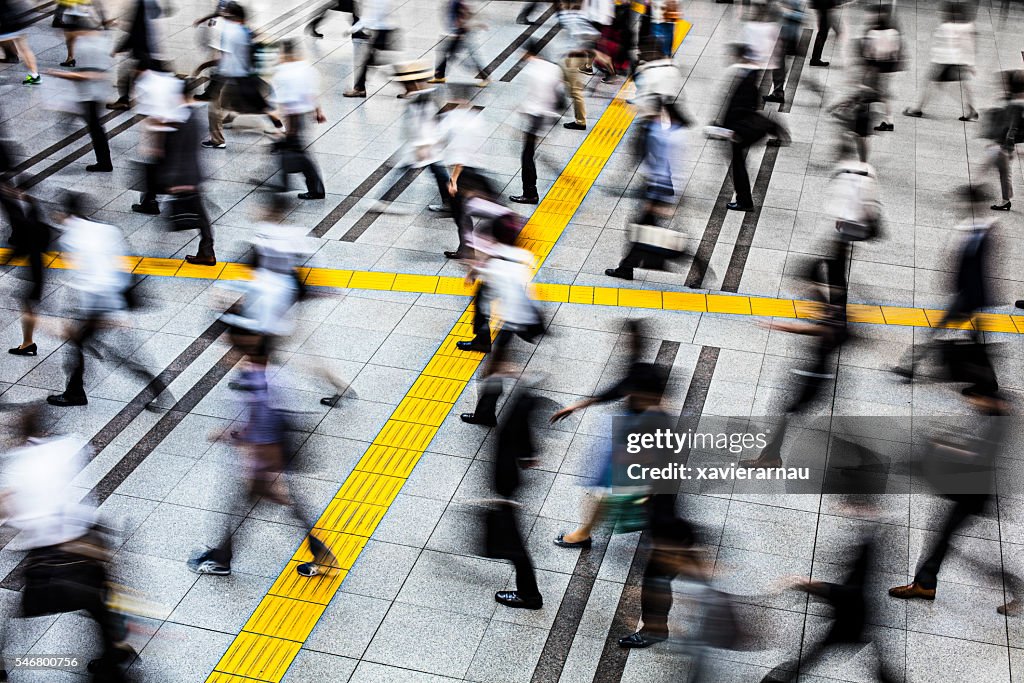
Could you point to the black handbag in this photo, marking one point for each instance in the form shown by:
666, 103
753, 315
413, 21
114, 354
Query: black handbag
186, 211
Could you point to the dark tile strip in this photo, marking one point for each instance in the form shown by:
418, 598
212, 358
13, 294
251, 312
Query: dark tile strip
581, 585
331, 219
134, 408
59, 166
741, 250
708, 240
627, 613
518, 66
520, 39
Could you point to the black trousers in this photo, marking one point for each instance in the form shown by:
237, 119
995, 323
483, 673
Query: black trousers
740, 178
527, 159
656, 595
205, 248
151, 184
469, 180
452, 46
963, 507
512, 548
378, 41
315, 24
825, 22
295, 158
527, 9
83, 336
97, 134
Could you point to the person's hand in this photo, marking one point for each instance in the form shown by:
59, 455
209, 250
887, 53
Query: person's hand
453, 187
320, 116
561, 415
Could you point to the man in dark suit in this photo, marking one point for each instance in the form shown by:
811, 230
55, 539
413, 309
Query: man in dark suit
823, 8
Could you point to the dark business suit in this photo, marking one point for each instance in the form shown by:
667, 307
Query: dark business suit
747, 125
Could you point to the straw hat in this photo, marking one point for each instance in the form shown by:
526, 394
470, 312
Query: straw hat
418, 70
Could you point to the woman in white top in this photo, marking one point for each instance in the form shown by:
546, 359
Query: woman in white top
953, 57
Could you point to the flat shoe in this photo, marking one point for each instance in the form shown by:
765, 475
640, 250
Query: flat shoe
912, 590
562, 543
29, 350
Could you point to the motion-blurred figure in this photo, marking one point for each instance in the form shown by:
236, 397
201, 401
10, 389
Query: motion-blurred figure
953, 59
65, 568
881, 49
160, 95
94, 251
344, 6
1005, 129
93, 83
238, 91
851, 608
378, 22
183, 177
458, 20
538, 106
503, 271
971, 292
790, 16
827, 21
514, 450
140, 45
748, 125
580, 38
972, 465
76, 16
296, 87
601, 15
256, 323
15, 18
653, 242
462, 131
30, 238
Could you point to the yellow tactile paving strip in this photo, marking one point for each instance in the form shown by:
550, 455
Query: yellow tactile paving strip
272, 637
694, 302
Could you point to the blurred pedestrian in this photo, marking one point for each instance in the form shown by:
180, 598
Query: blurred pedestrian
580, 38
296, 91
382, 35
953, 58
239, 90
30, 238
827, 21
1004, 130
160, 96
141, 46
601, 15
538, 106
458, 21
93, 85
881, 49
462, 131
790, 16
514, 451
14, 20
76, 16
345, 6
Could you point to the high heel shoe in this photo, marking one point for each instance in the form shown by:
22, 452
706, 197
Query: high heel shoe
70, 63
970, 116
1005, 206
29, 350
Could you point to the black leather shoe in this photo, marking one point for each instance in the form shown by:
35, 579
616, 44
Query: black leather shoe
639, 640
513, 599
736, 206
29, 350
777, 97
818, 62
1019, 303
523, 199
310, 195
146, 208
472, 419
455, 255
562, 543
1001, 207
99, 168
913, 113
65, 401
473, 346
885, 127
572, 125
621, 274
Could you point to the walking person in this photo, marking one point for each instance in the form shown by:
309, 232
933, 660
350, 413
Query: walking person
296, 91
239, 91
1005, 131
160, 98
539, 105
459, 36
953, 59
382, 34
93, 85
75, 16
748, 125
345, 6
14, 20
463, 133
30, 238
514, 450
827, 21
140, 45
580, 40
791, 14
881, 48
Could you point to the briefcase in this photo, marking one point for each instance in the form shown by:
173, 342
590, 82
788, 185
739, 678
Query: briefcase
657, 239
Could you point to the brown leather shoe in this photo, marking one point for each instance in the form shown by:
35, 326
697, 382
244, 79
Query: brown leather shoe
1010, 609
912, 590
201, 260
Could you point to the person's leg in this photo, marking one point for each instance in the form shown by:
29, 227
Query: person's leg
205, 249
740, 179
824, 22
968, 98
928, 572
524, 13
633, 259
215, 113
26, 54
656, 598
1003, 164
97, 134
451, 45
314, 25
364, 64
85, 333
482, 319
441, 177
526, 577
527, 158
574, 84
